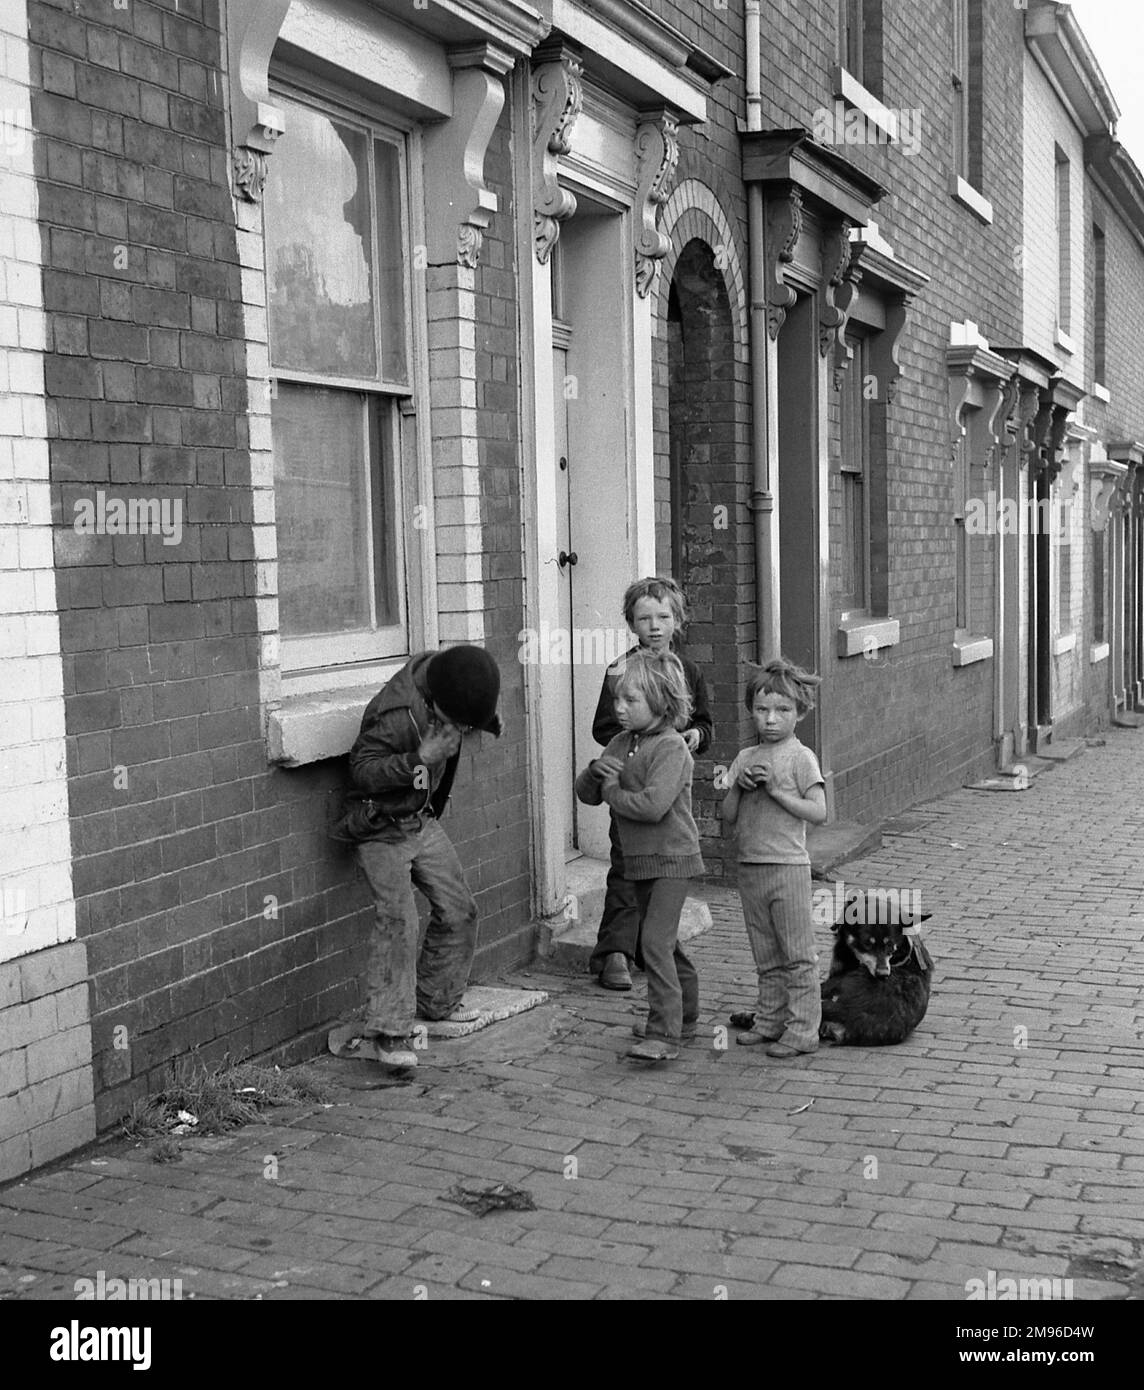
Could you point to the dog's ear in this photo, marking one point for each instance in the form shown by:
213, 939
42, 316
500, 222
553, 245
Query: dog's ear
923, 917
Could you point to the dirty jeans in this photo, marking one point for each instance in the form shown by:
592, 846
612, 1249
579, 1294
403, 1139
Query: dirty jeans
401, 980
620, 923
776, 910
672, 984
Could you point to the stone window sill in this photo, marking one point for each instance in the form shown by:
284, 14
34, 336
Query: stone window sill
850, 90
860, 633
312, 727
1098, 653
1101, 393
966, 651
1065, 342
968, 196
1066, 642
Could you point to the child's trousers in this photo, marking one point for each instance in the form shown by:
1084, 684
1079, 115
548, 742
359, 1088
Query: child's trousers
777, 912
402, 980
672, 984
620, 921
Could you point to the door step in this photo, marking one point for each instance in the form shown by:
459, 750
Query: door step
569, 938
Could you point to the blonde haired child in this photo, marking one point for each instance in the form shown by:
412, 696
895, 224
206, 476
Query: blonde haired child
644, 775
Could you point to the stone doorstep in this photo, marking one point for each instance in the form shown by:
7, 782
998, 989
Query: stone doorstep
495, 1005
1062, 749
1007, 779
568, 940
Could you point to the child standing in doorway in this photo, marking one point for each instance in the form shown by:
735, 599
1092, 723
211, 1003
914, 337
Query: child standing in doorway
775, 791
644, 775
656, 612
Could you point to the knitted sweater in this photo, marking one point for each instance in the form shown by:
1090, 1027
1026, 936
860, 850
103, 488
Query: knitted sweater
651, 803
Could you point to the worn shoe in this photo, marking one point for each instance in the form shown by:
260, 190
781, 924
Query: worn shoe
754, 1039
377, 1047
654, 1050
782, 1049
615, 974
460, 1014
689, 1030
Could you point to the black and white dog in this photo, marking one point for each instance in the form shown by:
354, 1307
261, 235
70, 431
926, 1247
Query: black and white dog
878, 987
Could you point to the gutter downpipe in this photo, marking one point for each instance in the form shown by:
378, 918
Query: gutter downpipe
763, 427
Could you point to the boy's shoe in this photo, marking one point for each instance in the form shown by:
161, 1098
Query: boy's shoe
654, 1050
689, 1030
754, 1039
615, 974
782, 1049
347, 1040
460, 1015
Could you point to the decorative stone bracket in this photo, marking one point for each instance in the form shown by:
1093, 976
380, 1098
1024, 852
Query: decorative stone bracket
253, 27
1058, 402
458, 202
1106, 479
897, 285
979, 382
783, 229
657, 154
838, 296
557, 97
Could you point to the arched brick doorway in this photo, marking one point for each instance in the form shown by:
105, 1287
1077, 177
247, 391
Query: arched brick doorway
697, 506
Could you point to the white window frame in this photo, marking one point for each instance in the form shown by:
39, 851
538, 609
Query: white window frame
322, 662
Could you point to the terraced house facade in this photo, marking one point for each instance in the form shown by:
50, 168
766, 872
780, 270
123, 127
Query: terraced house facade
334, 330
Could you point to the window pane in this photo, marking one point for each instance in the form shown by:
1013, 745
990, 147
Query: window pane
319, 248
322, 486
390, 261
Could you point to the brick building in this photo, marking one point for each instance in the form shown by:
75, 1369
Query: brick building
334, 330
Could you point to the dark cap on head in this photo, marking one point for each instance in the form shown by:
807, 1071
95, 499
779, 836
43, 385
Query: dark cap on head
464, 684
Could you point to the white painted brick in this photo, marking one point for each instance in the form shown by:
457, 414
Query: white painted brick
13, 638
22, 283
253, 286
36, 553
266, 577
22, 767
48, 719
461, 627
17, 593
15, 728
33, 330
459, 540
254, 320
262, 468
44, 583
16, 61
35, 418
458, 511
261, 436
31, 458
265, 542
11, 416
267, 611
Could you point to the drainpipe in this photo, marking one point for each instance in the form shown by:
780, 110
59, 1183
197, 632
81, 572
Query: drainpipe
762, 502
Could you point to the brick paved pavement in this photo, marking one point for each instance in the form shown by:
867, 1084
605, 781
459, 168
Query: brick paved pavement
1005, 1135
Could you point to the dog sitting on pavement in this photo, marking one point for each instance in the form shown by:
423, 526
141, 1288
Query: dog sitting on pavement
878, 988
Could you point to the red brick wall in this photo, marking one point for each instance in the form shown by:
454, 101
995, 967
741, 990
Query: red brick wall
181, 831
489, 811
